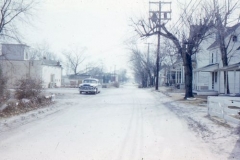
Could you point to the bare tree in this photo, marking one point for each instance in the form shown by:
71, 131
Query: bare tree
169, 56
137, 67
144, 66
224, 14
95, 69
43, 51
188, 38
74, 59
122, 75
11, 12
141, 66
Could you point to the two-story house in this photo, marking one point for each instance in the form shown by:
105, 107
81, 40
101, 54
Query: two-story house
16, 63
209, 73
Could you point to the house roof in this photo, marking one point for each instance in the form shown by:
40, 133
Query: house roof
78, 76
232, 67
12, 44
50, 62
214, 67
215, 44
207, 68
227, 33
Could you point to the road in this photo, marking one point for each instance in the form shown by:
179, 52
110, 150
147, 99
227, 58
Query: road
126, 123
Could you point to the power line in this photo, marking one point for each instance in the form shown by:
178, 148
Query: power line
182, 23
181, 16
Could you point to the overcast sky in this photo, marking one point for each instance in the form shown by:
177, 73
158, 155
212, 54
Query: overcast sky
102, 26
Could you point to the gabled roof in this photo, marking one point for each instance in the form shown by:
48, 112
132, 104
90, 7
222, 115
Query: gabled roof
229, 31
215, 44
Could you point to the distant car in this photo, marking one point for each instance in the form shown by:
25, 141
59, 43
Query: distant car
90, 85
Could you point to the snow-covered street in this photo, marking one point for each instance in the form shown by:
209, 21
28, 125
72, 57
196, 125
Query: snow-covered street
124, 123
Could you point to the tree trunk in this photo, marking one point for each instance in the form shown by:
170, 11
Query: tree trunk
149, 77
188, 75
144, 80
225, 63
226, 83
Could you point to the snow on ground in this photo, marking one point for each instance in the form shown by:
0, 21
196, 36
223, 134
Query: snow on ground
222, 137
18, 120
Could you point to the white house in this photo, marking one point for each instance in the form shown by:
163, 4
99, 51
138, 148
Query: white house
173, 75
16, 63
209, 72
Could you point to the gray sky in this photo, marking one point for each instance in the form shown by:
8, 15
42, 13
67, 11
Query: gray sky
102, 26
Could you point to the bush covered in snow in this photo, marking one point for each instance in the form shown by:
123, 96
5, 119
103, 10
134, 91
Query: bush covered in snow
28, 88
28, 96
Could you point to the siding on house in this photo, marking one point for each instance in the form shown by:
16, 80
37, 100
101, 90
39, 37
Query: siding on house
15, 70
52, 75
15, 64
210, 54
201, 79
15, 51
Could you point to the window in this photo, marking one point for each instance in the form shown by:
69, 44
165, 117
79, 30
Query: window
52, 77
217, 55
234, 38
212, 57
26, 55
212, 80
215, 77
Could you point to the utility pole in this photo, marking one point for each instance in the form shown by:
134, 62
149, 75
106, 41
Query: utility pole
159, 11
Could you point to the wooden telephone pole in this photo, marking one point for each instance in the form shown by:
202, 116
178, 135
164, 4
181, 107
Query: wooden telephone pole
159, 11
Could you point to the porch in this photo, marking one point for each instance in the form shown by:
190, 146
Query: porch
233, 79
201, 80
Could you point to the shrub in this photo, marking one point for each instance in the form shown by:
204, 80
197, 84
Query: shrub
29, 97
28, 88
4, 94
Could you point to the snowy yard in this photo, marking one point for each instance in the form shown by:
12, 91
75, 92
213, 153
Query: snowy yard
224, 138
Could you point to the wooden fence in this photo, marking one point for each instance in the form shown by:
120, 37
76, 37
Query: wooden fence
227, 108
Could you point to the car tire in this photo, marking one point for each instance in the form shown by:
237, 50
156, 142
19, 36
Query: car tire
80, 92
96, 91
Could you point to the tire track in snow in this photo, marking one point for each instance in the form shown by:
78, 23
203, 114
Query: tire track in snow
133, 140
